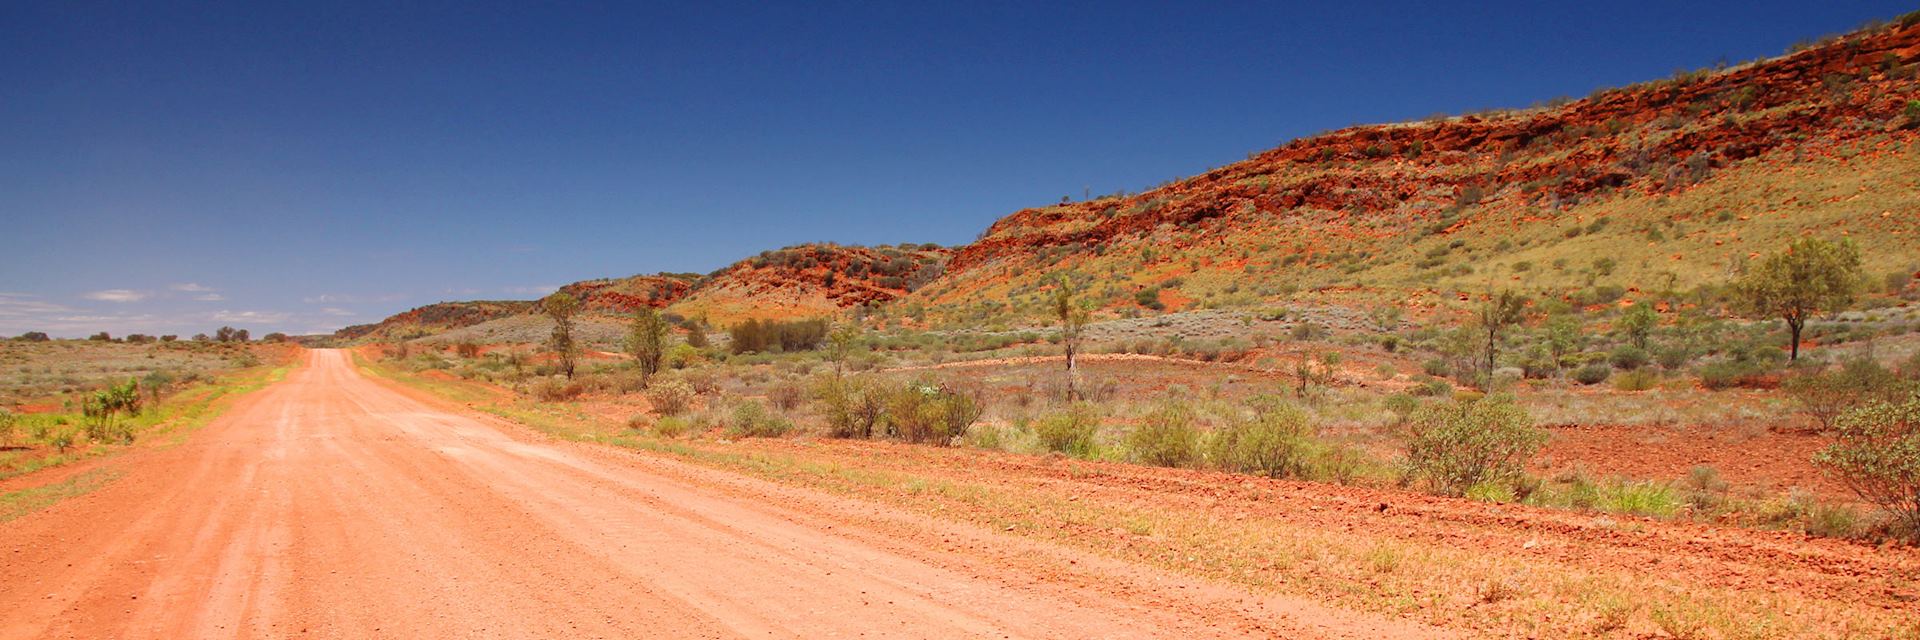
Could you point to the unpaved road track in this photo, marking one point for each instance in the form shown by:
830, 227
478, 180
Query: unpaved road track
330, 505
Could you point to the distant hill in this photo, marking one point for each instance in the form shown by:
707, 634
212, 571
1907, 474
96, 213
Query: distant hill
1668, 184
812, 280
435, 318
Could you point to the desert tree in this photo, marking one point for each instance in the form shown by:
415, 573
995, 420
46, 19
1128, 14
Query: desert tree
1812, 276
647, 341
1072, 315
840, 345
561, 307
1637, 323
1498, 313
696, 333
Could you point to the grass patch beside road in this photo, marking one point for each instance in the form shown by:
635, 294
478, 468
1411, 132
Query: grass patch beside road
1495, 570
171, 423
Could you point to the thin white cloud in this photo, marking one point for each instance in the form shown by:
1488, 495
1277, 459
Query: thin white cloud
535, 290
343, 298
210, 297
25, 304
267, 317
118, 295
337, 312
192, 287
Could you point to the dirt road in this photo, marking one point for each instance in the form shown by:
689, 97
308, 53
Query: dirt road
330, 505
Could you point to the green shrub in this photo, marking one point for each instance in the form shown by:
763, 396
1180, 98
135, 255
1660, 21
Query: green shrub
1459, 444
785, 395
852, 406
9, 425
1491, 492
1166, 437
1831, 521
670, 396
557, 390
1070, 432
1877, 454
924, 412
1401, 406
1651, 499
1638, 380
1825, 395
1273, 440
672, 426
984, 436
62, 438
751, 419
1728, 374
1593, 373
1628, 357
1672, 358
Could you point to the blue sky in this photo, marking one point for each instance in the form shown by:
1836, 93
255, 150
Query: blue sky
297, 167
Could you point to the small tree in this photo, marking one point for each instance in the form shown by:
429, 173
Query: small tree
103, 409
840, 345
8, 424
1073, 317
1500, 312
1812, 276
561, 307
696, 334
647, 341
1877, 454
1637, 323
1457, 445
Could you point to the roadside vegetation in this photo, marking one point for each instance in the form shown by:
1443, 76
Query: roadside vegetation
118, 394
1463, 407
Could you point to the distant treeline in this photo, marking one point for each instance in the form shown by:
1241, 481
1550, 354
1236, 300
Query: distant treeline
770, 335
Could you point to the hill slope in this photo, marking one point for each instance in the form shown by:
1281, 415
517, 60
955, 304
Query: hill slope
1670, 182
812, 280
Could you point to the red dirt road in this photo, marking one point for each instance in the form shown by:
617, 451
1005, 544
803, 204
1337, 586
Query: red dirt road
332, 506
